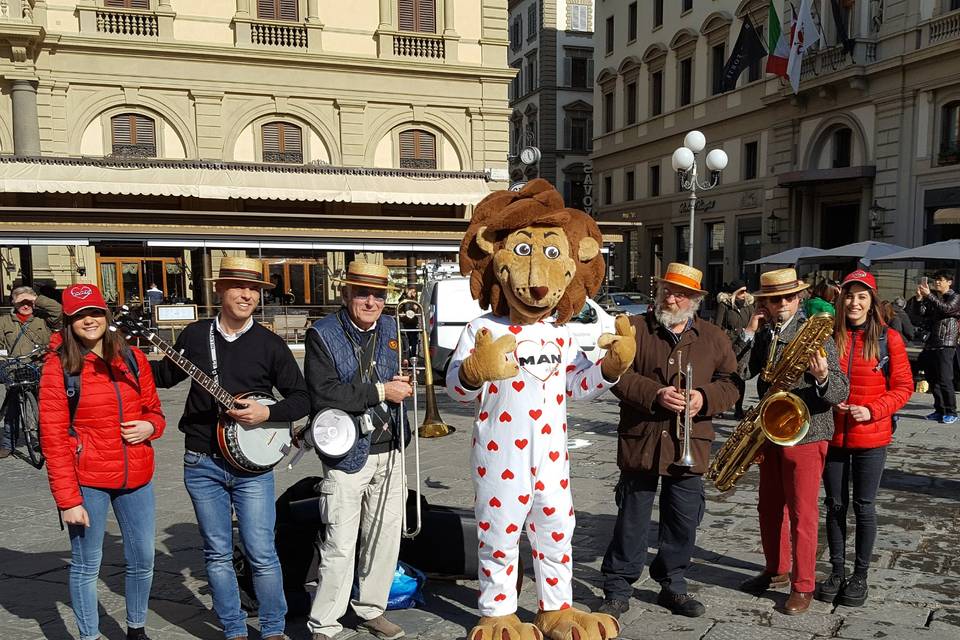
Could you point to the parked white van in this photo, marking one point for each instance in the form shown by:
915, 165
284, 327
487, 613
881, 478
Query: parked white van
449, 307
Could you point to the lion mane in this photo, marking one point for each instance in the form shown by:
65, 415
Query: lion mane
503, 212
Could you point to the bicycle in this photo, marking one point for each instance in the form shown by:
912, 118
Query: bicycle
21, 376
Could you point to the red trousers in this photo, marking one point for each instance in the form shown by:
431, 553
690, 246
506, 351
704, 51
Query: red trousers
789, 510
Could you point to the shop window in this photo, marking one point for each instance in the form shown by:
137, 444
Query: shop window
418, 149
278, 10
421, 16
282, 142
134, 135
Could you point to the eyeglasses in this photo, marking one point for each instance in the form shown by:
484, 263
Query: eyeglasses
790, 297
362, 293
679, 295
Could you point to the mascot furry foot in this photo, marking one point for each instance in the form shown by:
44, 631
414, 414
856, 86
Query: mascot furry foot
572, 624
504, 628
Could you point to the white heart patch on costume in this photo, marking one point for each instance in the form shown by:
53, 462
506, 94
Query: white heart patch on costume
540, 361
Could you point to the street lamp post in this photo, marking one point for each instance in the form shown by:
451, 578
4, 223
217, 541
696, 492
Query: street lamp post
685, 164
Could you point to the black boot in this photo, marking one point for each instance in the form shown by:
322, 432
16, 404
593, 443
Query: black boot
137, 633
828, 589
854, 591
681, 604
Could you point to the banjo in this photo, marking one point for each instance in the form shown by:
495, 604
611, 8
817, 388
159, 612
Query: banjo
254, 449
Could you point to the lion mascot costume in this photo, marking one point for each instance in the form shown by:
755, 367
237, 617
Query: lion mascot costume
532, 262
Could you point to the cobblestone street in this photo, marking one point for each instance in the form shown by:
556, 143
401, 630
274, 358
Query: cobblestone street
914, 582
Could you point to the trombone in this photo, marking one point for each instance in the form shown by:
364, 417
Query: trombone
433, 426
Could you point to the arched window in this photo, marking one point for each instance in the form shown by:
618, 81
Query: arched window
950, 134
128, 4
282, 142
278, 10
417, 15
418, 149
133, 135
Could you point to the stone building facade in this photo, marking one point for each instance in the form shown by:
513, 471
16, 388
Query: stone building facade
866, 150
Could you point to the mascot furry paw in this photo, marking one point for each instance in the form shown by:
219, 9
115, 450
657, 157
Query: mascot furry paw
532, 262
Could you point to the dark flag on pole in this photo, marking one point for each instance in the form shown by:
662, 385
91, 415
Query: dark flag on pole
748, 48
840, 22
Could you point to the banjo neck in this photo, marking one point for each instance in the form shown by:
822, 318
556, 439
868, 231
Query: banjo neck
224, 397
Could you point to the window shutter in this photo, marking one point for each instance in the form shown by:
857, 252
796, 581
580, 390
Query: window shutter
590, 73
590, 133
567, 72
427, 148
122, 129
271, 138
144, 131
289, 10
292, 139
267, 9
407, 14
408, 147
418, 150
139, 4
427, 16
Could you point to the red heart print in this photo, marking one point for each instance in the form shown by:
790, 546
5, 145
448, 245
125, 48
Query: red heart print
540, 555
541, 605
486, 572
566, 456
548, 511
534, 554
521, 443
569, 393
481, 471
554, 455
499, 555
515, 329
524, 499
492, 388
533, 528
546, 429
564, 483
495, 502
559, 398
507, 475
483, 416
492, 446
512, 528
517, 385
557, 536
584, 385
560, 341
509, 569
460, 391
535, 413
565, 605
571, 510
533, 471
539, 486
505, 417
564, 427
484, 525
571, 367
553, 581
500, 597
481, 545
565, 559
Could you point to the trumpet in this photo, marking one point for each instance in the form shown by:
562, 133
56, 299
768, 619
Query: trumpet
684, 426
433, 426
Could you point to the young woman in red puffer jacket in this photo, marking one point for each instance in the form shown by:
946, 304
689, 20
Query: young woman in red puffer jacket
104, 458
863, 427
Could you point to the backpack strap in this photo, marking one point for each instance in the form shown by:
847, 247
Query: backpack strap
71, 385
883, 364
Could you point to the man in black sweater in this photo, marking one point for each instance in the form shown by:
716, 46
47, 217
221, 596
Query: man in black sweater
242, 356
352, 364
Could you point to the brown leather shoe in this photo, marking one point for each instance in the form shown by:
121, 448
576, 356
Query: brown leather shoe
760, 583
5, 452
798, 602
382, 628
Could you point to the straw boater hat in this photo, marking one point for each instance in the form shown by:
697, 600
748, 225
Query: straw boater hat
248, 270
367, 274
683, 276
779, 282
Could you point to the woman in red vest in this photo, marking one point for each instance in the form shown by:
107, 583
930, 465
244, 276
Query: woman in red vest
99, 453
874, 358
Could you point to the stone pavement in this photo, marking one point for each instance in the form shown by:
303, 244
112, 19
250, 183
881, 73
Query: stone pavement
914, 582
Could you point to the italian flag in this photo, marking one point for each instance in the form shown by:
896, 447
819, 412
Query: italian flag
778, 44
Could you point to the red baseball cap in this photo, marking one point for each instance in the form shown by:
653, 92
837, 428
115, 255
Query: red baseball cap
863, 277
78, 297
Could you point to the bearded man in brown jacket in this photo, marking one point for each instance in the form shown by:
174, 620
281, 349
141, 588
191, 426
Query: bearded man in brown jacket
651, 402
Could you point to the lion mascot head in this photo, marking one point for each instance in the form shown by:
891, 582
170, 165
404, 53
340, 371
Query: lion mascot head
529, 257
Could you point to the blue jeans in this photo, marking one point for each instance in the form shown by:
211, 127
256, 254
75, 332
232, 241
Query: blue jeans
216, 489
134, 509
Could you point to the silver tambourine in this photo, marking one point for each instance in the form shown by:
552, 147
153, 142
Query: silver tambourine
332, 432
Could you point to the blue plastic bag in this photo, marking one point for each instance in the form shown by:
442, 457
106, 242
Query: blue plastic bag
406, 590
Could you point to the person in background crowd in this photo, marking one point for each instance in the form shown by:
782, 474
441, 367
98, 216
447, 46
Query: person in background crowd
734, 310
897, 319
651, 403
823, 299
874, 358
154, 294
29, 324
99, 455
939, 306
790, 476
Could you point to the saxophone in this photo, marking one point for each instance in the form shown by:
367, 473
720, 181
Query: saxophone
780, 417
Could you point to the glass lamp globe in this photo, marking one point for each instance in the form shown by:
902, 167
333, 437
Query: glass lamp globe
717, 160
682, 159
695, 141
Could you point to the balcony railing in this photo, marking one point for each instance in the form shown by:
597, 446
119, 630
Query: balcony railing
422, 46
828, 60
275, 34
126, 22
290, 157
134, 150
945, 27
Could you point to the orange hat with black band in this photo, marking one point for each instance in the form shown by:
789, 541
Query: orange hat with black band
684, 276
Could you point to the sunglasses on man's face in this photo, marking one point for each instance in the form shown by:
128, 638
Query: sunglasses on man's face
790, 297
362, 293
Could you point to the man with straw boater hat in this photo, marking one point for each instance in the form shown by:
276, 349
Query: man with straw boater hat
790, 476
653, 407
242, 356
352, 364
